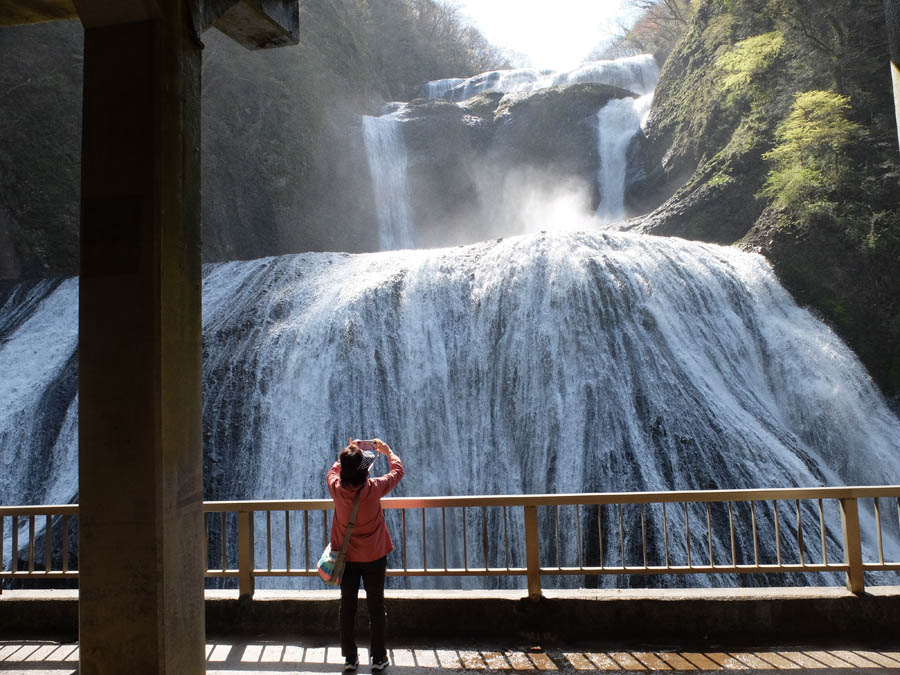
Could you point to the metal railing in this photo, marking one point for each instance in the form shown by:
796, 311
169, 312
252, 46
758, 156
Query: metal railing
644, 533
482, 534
56, 558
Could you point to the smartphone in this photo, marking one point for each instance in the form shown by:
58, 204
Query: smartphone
365, 444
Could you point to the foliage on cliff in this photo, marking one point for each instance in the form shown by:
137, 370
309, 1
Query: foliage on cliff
810, 159
773, 127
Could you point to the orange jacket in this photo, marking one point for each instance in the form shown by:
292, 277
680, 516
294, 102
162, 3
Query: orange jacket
370, 539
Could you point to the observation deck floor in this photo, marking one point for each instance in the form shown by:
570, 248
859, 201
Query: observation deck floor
242, 656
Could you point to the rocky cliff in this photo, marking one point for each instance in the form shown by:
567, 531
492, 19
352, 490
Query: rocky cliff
40, 152
730, 155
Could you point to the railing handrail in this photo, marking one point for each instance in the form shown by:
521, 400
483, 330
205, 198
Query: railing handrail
43, 510
582, 498
247, 511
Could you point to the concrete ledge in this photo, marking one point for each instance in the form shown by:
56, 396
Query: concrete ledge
39, 613
727, 615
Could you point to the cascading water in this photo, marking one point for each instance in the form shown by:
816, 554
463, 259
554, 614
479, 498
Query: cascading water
38, 396
634, 73
617, 123
579, 361
386, 152
437, 88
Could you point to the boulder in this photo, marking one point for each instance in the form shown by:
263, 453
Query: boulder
468, 160
554, 127
444, 141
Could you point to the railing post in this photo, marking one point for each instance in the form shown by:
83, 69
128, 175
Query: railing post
532, 553
245, 554
852, 546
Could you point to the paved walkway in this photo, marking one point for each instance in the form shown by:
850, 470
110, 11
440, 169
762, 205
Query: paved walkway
242, 657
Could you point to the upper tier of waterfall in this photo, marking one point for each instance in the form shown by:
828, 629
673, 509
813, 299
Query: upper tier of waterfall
634, 73
469, 164
386, 152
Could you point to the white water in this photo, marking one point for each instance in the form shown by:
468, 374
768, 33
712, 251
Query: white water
578, 361
437, 88
617, 123
578, 344
386, 152
33, 355
634, 73
581, 361
38, 398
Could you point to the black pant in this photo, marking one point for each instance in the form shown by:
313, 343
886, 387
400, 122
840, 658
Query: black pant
372, 574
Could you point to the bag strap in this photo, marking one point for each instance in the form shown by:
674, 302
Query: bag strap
352, 522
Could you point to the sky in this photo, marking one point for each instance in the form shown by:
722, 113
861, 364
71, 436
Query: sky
551, 34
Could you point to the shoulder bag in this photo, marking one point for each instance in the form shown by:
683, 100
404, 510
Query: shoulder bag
331, 564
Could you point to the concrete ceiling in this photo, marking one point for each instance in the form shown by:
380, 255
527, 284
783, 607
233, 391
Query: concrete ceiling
256, 24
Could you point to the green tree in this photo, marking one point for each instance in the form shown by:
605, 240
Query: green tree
740, 67
811, 159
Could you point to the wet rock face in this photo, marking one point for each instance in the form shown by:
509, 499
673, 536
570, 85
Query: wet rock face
435, 132
461, 155
554, 128
483, 105
443, 147
40, 140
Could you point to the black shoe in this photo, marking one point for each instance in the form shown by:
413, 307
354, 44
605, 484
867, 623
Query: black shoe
380, 664
351, 666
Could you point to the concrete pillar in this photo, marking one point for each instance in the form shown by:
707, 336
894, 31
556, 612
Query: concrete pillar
140, 466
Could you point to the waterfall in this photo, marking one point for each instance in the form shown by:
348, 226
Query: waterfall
386, 152
571, 362
577, 361
634, 73
437, 88
617, 123
580, 361
38, 402
38, 397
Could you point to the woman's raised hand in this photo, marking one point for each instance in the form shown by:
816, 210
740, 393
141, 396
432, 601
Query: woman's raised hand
381, 446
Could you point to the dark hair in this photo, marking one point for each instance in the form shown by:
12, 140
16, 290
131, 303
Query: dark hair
351, 457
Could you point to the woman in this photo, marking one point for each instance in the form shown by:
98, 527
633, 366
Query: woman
370, 542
